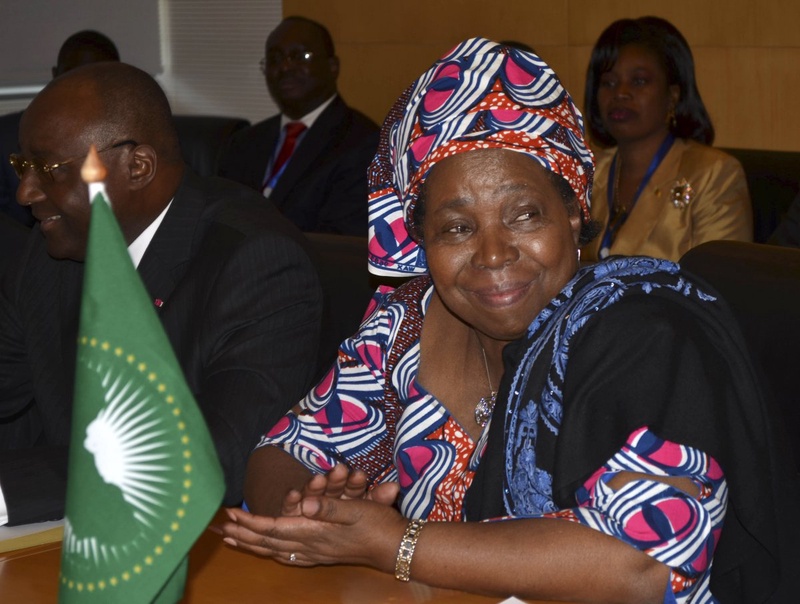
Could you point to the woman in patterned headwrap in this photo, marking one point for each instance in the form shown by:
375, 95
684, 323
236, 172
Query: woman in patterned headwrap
602, 447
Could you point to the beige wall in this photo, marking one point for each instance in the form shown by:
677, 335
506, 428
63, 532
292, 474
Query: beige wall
747, 52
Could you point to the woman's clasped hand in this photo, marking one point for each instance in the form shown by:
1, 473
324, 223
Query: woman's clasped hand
317, 523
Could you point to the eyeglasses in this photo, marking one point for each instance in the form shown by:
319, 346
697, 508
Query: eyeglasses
20, 164
277, 57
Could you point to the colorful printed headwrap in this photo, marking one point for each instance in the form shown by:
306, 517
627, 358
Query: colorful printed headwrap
480, 95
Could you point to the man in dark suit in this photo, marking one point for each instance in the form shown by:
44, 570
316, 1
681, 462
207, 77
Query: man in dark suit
81, 48
235, 290
322, 186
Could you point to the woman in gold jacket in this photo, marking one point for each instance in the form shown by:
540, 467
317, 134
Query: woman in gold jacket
659, 188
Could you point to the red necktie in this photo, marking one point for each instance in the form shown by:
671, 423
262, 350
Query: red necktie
292, 131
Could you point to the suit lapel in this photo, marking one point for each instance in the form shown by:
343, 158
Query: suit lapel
170, 251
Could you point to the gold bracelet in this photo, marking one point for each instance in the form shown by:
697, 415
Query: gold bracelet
402, 568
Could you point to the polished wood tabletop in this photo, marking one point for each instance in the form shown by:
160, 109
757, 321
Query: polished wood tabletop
220, 574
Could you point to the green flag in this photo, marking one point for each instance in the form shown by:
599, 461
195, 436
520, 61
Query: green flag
144, 478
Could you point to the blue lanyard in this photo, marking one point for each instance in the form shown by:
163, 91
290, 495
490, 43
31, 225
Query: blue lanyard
617, 218
270, 184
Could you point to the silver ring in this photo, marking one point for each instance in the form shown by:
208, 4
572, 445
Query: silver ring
292, 558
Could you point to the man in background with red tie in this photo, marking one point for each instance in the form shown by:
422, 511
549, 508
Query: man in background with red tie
312, 159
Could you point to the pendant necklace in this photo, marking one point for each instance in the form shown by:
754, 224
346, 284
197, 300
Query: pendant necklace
483, 410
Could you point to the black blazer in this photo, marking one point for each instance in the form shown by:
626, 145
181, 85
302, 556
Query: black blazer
241, 304
12, 240
324, 186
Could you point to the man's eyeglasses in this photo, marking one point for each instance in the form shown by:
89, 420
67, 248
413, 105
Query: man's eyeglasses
20, 164
277, 57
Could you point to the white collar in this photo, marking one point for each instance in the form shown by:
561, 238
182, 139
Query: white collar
309, 118
141, 243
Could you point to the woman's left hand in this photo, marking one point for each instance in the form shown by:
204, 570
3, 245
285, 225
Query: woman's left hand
339, 483
328, 531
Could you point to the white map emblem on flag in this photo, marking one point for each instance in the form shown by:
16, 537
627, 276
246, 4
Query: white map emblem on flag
126, 441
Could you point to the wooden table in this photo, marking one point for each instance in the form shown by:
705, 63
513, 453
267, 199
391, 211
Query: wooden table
220, 574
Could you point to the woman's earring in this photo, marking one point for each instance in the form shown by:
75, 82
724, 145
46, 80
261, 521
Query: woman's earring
671, 121
579, 255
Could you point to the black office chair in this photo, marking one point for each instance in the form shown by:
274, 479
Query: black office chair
341, 261
761, 284
202, 138
773, 179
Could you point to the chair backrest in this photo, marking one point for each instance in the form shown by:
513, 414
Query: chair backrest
773, 178
761, 284
202, 138
341, 261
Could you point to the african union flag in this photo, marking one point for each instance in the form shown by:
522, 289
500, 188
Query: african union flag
144, 479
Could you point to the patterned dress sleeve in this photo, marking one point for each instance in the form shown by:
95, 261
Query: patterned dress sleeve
674, 527
342, 417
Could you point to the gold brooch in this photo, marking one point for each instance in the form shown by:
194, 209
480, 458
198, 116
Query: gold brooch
681, 194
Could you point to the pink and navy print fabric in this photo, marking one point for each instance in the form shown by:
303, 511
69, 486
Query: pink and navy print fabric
370, 413
679, 530
675, 528
480, 95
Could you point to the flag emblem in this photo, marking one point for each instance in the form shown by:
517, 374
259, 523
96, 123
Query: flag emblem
142, 459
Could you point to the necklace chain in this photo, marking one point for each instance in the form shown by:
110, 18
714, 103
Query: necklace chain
485, 406
486, 365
